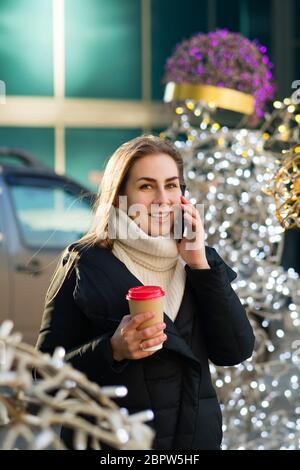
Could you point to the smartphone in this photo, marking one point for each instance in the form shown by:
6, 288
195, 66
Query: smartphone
179, 223
183, 188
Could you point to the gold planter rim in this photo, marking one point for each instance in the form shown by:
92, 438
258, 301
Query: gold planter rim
225, 98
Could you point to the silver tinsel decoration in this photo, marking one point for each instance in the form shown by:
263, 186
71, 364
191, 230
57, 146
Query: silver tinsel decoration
32, 411
228, 170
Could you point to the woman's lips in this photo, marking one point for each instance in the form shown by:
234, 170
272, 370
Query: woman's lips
161, 217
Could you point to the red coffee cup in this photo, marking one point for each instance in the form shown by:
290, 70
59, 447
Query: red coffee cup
143, 299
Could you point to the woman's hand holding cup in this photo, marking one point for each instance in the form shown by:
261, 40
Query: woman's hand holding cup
130, 340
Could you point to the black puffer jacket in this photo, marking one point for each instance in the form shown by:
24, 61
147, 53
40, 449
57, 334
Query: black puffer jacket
84, 306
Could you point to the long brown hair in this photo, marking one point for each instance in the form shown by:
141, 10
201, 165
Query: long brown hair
115, 178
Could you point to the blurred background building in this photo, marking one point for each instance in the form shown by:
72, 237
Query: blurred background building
77, 79
83, 76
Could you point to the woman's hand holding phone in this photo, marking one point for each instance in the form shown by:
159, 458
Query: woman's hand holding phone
192, 250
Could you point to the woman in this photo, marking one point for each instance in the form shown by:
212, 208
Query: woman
87, 313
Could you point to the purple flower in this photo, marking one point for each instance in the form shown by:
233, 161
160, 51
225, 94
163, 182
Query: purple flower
199, 69
223, 33
223, 59
193, 51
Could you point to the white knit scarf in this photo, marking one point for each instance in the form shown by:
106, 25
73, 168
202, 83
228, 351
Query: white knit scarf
152, 260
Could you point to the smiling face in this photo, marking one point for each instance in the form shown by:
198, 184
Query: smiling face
153, 183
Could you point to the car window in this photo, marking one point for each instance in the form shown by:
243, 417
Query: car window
12, 160
50, 217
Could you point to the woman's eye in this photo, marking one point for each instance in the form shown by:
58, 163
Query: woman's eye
149, 185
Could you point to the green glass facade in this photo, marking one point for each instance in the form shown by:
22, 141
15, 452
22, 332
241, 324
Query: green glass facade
170, 25
103, 60
26, 53
37, 141
87, 150
103, 48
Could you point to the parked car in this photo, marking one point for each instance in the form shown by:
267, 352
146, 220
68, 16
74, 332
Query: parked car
41, 212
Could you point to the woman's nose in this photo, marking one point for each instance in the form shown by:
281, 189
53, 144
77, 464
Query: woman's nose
162, 196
